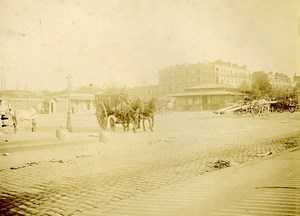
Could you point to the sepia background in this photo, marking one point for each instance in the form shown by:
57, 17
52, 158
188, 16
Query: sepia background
128, 42
210, 90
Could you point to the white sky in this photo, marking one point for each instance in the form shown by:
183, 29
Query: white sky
129, 41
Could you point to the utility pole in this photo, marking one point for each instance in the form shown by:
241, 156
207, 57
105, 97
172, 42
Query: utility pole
69, 120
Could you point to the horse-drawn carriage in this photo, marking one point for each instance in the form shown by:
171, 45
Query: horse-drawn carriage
258, 107
118, 109
248, 106
282, 104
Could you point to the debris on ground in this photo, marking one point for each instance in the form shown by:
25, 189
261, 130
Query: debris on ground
220, 164
93, 135
24, 166
83, 156
32, 163
56, 161
261, 155
290, 144
170, 139
5, 154
15, 168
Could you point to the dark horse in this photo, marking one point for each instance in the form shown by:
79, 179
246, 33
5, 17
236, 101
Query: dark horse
128, 112
148, 112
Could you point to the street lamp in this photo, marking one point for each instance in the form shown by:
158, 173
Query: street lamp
69, 120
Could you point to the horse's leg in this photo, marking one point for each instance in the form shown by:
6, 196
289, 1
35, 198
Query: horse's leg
149, 121
124, 125
138, 120
33, 125
144, 128
152, 125
15, 123
123, 122
15, 126
128, 122
132, 119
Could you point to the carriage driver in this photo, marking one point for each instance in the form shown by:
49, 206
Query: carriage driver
124, 97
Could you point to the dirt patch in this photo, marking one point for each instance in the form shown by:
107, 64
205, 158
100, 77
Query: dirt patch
290, 144
220, 164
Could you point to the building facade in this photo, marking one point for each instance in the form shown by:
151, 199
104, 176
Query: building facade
280, 80
206, 97
232, 74
21, 99
205, 85
79, 102
177, 78
297, 88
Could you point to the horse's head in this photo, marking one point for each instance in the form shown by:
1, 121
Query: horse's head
152, 103
137, 105
10, 112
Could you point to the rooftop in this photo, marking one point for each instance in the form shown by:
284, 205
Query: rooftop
212, 86
21, 94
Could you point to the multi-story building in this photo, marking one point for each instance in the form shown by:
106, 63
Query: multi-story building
206, 85
177, 78
279, 80
232, 74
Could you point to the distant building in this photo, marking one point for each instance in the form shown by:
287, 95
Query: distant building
206, 97
50, 105
232, 74
205, 85
19, 99
297, 87
78, 102
280, 80
177, 78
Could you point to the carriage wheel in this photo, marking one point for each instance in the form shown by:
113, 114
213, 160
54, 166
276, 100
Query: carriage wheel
292, 109
255, 109
101, 115
265, 110
280, 107
112, 123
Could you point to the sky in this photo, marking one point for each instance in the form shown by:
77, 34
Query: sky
127, 42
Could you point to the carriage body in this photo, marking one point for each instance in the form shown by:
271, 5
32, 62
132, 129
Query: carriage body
106, 106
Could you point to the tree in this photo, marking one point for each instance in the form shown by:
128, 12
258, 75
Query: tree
47, 93
89, 89
113, 88
261, 86
244, 87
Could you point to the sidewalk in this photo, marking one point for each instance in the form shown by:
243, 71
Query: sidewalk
269, 186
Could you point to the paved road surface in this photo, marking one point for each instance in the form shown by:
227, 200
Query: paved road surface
119, 175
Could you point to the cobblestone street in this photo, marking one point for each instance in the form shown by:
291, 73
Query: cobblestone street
101, 178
